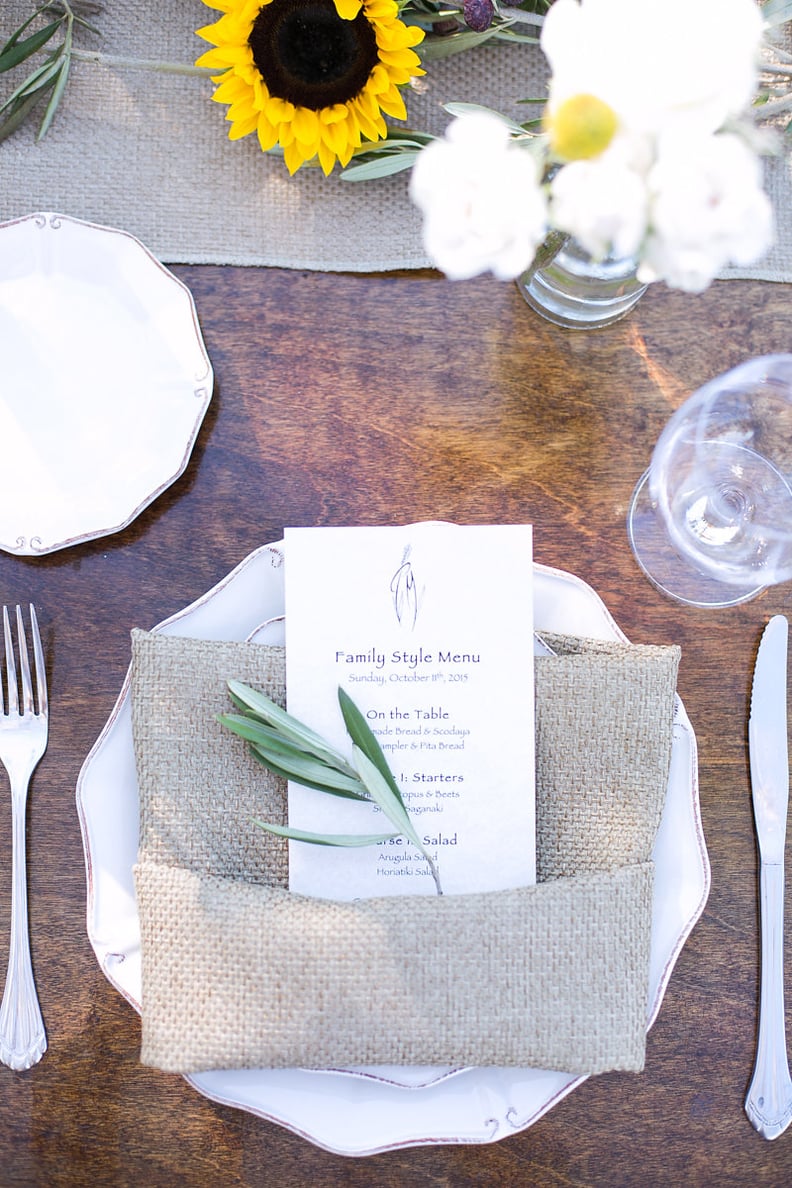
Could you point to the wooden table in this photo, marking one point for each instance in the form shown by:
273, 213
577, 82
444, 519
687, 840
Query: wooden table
349, 399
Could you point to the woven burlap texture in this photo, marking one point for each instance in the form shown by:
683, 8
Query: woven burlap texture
146, 151
239, 972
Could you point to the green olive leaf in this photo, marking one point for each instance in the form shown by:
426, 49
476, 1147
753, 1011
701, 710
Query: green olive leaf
52, 74
269, 741
14, 52
55, 98
777, 12
364, 738
325, 839
272, 765
312, 774
393, 808
292, 751
39, 80
380, 164
244, 697
14, 115
383, 795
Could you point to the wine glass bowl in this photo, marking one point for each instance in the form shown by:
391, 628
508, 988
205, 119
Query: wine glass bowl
710, 522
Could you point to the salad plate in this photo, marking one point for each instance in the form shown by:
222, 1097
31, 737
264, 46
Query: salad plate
362, 1111
105, 381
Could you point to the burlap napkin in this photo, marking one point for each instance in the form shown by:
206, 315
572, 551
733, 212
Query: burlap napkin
239, 972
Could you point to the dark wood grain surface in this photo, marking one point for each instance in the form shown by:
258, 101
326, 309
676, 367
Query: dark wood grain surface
386, 399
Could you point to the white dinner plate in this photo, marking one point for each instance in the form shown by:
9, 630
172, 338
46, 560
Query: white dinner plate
104, 381
364, 1111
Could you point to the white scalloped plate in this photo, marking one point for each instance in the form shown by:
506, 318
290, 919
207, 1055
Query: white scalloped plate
105, 381
365, 1111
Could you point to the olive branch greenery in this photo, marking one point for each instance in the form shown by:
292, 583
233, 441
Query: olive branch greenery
50, 76
447, 34
292, 750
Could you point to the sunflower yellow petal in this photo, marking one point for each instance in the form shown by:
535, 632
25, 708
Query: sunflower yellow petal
367, 125
393, 104
332, 115
260, 93
247, 71
306, 127
294, 157
241, 128
267, 134
404, 59
327, 158
209, 33
215, 96
279, 110
379, 81
335, 136
367, 102
242, 111
231, 90
224, 55
394, 37
382, 10
210, 60
348, 9
354, 135
346, 156
230, 29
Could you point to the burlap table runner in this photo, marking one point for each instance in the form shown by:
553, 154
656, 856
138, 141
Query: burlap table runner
239, 972
147, 151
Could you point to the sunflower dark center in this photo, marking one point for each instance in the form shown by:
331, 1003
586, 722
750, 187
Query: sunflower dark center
307, 54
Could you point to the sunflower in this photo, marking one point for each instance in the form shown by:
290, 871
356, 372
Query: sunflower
313, 76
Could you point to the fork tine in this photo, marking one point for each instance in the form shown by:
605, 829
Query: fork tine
38, 657
24, 664
12, 701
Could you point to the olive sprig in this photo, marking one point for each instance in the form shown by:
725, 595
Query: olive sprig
288, 748
47, 80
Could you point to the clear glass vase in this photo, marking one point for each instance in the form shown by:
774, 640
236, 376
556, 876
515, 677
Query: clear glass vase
572, 289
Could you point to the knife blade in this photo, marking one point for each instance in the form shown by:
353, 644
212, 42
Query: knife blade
769, 1101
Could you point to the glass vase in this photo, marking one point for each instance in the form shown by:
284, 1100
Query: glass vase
572, 289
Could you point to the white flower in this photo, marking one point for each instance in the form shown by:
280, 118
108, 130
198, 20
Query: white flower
481, 198
707, 210
602, 203
656, 62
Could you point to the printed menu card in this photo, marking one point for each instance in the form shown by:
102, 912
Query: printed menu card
429, 629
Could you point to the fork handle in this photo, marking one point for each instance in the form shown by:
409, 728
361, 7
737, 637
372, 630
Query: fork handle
769, 1100
23, 1040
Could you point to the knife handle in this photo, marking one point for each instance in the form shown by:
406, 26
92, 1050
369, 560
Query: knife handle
769, 1101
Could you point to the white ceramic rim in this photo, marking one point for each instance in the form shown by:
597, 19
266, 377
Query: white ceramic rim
157, 401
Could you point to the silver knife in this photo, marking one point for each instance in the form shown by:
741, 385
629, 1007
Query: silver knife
769, 1100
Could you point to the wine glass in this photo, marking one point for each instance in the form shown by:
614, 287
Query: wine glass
710, 522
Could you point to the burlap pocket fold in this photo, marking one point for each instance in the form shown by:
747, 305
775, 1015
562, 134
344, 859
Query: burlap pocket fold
239, 972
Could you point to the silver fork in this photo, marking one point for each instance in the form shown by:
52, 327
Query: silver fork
23, 740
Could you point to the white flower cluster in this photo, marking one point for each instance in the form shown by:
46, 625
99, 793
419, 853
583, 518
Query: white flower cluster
645, 151
483, 204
